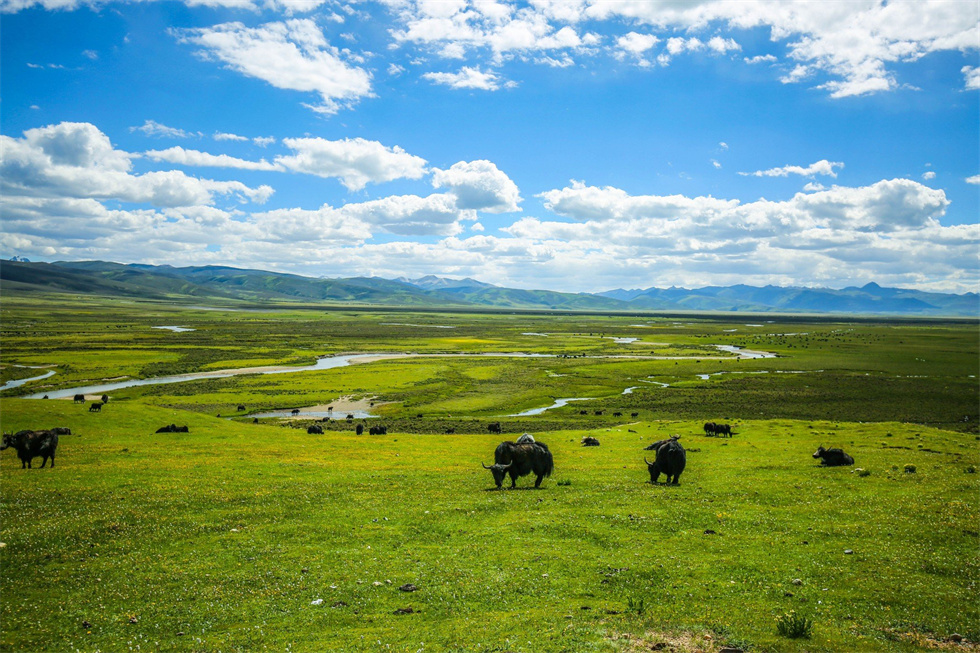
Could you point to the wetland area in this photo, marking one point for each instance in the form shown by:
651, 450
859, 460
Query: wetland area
249, 533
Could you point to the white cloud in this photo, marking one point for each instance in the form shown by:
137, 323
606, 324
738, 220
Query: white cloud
153, 128
971, 76
635, 44
184, 157
263, 141
928, 175
70, 161
91, 54
355, 161
479, 185
813, 186
715, 163
219, 136
975, 179
411, 215
290, 55
822, 167
723, 145
762, 58
468, 78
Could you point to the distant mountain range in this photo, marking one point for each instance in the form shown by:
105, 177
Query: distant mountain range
233, 285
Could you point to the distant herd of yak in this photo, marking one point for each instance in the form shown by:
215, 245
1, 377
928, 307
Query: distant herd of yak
514, 459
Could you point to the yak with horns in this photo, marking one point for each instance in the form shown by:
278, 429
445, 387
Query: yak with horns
520, 460
671, 460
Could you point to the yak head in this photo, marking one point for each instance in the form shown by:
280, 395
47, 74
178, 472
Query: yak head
8, 441
820, 452
653, 469
499, 472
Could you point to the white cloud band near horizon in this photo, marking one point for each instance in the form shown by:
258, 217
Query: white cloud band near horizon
68, 193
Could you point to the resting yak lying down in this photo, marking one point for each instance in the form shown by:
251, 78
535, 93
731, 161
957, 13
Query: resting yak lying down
833, 457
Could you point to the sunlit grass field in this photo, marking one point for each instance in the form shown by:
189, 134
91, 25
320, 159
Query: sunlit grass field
249, 537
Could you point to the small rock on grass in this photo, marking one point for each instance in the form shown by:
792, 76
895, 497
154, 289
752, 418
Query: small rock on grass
408, 587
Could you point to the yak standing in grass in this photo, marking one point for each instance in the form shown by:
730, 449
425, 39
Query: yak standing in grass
671, 460
520, 460
31, 444
833, 457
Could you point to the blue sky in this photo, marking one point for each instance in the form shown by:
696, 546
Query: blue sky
574, 145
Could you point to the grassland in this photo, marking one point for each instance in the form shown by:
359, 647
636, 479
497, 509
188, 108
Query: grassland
222, 539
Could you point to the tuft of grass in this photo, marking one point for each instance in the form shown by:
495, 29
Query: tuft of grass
794, 626
566, 482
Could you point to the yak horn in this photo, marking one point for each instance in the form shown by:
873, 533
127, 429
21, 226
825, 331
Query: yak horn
485, 467
646, 461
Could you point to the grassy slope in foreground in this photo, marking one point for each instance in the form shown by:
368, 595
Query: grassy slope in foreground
208, 534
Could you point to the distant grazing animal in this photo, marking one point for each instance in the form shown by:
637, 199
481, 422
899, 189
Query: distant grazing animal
295, 411
350, 416
96, 407
173, 428
494, 427
316, 429
598, 412
105, 399
671, 460
329, 409
833, 457
241, 407
44, 397
30, 444
79, 399
583, 412
712, 428
588, 441
61, 430
450, 431
617, 414
255, 420
634, 414
709, 428
378, 430
520, 460
527, 438
359, 429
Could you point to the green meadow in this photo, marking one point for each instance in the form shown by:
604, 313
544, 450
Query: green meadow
253, 535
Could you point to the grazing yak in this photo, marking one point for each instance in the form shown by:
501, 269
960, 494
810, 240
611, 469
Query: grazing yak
96, 407
671, 460
173, 428
359, 429
494, 427
833, 457
294, 411
31, 444
316, 429
588, 441
79, 399
241, 407
711, 428
520, 460
378, 430
61, 430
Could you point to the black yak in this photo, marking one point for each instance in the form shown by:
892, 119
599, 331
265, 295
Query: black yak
79, 399
316, 429
96, 407
671, 460
360, 429
30, 444
378, 430
833, 457
294, 411
61, 430
105, 399
709, 428
241, 407
173, 428
589, 441
520, 460
494, 427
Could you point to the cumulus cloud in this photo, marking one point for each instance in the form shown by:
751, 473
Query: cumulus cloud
469, 77
635, 45
971, 76
411, 215
975, 179
928, 175
220, 136
479, 185
290, 55
184, 157
761, 58
77, 161
355, 161
154, 128
822, 167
